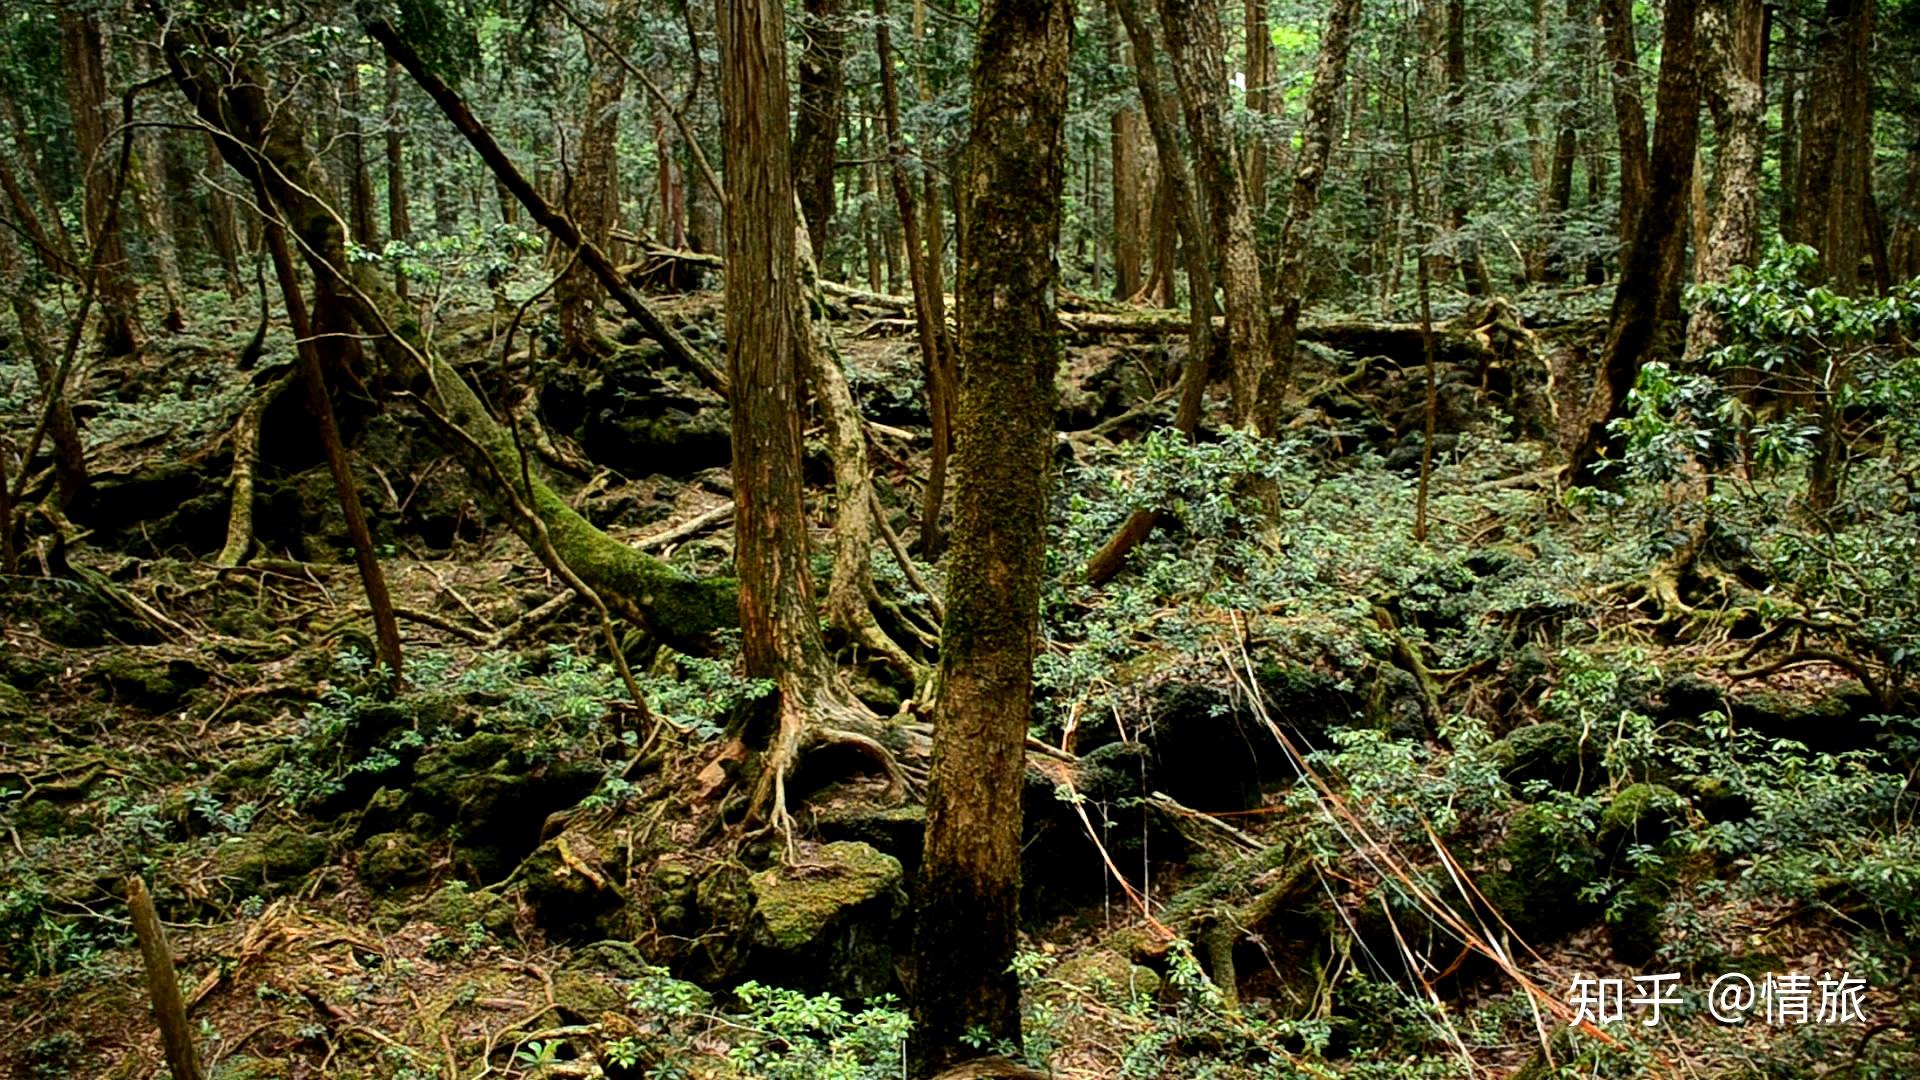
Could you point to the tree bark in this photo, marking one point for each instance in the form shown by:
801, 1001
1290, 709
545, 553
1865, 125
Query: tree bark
1296, 236
592, 203
780, 629
1649, 277
816, 124
1130, 216
1630, 116
967, 922
313, 381
1196, 52
399, 218
54, 233
1835, 143
71, 483
1161, 121
223, 230
87, 100
929, 308
353, 138
1731, 33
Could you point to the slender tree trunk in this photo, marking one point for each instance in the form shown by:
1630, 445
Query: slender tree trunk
967, 922
313, 379
54, 232
1731, 33
1197, 54
87, 100
353, 138
71, 484
816, 124
1259, 78
1296, 236
928, 305
577, 295
223, 231
1649, 279
1559, 194
399, 219
1473, 271
1790, 93
155, 210
1185, 212
45, 247
1129, 248
1630, 116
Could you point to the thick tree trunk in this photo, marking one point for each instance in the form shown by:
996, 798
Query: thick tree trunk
1131, 219
967, 923
1296, 236
1197, 55
1559, 192
1649, 277
155, 209
87, 100
780, 628
816, 125
1835, 142
1731, 37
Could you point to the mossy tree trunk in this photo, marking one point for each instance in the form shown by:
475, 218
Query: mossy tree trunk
816, 126
967, 920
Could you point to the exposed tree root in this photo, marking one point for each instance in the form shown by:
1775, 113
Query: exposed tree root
246, 454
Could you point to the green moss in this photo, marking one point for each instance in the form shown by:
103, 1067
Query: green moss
157, 686
1641, 814
394, 860
276, 856
795, 904
1549, 752
1542, 866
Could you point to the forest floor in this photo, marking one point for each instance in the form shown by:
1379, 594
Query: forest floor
1288, 739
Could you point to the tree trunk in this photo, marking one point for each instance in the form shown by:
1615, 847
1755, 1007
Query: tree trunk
54, 232
816, 125
87, 100
46, 249
314, 380
780, 629
1129, 205
1296, 236
359, 178
928, 306
1473, 271
1630, 116
1259, 78
1731, 33
1197, 55
399, 220
223, 231
70, 480
592, 209
1649, 277
1187, 218
155, 209
1559, 193
967, 923
1835, 147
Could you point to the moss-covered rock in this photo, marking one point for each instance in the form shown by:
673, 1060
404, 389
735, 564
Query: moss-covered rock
584, 997
456, 906
394, 860
900, 831
1549, 752
274, 857
13, 702
485, 786
150, 684
1108, 973
568, 883
1540, 869
826, 922
1640, 814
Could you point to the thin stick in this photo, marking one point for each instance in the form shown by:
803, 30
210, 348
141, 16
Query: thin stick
163, 985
